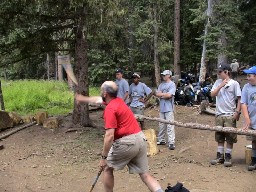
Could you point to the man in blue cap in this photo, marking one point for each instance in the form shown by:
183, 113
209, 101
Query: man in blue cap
248, 105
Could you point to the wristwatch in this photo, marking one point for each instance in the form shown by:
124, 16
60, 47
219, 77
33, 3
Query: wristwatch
238, 112
103, 157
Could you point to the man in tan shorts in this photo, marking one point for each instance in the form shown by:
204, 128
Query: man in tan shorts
124, 142
228, 93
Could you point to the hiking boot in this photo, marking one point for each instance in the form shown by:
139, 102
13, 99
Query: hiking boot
252, 166
218, 160
228, 162
161, 143
171, 147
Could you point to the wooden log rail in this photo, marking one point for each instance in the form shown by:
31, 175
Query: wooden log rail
239, 131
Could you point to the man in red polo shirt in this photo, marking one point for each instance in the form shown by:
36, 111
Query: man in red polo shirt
124, 142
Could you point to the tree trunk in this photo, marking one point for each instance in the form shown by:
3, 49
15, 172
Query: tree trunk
156, 56
81, 111
203, 58
177, 38
222, 57
1, 97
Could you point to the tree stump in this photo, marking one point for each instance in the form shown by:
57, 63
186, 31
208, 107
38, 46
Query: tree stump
5, 120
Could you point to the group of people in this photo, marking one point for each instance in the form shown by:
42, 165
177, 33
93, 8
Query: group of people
125, 143
230, 102
138, 93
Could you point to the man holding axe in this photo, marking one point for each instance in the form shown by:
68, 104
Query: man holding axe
124, 142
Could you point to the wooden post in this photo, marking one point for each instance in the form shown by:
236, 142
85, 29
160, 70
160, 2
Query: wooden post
1, 97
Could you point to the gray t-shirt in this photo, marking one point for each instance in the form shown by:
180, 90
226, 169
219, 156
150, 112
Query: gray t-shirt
234, 66
226, 98
137, 92
249, 98
123, 87
167, 105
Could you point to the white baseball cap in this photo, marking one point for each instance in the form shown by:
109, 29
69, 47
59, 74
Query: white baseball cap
166, 72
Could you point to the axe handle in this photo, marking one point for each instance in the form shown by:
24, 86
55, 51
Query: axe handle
96, 179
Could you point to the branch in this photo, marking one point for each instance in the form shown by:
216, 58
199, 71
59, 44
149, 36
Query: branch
16, 130
238, 131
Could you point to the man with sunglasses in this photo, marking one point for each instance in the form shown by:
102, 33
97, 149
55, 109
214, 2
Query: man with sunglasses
228, 109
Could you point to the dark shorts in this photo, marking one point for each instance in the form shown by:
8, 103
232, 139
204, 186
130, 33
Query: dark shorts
138, 111
251, 137
225, 121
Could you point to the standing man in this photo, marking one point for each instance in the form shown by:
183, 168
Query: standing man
123, 86
227, 92
166, 93
138, 91
248, 104
124, 142
234, 67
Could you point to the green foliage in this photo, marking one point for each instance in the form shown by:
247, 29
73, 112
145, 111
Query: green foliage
30, 96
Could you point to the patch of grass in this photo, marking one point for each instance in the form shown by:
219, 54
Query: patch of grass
30, 96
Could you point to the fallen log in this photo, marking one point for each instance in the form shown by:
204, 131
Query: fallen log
16, 130
239, 131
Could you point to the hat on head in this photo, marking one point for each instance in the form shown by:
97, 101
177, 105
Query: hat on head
251, 70
234, 60
119, 71
135, 75
166, 72
223, 67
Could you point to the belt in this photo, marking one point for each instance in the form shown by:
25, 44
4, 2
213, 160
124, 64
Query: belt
225, 114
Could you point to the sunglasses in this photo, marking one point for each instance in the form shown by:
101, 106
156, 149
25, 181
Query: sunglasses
220, 71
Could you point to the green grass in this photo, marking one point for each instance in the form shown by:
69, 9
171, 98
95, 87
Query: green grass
30, 96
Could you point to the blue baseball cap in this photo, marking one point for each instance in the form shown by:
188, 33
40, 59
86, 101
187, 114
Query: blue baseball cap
251, 70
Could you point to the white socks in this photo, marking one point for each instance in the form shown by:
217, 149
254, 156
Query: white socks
228, 150
220, 149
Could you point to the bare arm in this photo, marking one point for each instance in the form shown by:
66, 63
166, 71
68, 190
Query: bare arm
215, 92
108, 141
163, 95
246, 116
126, 95
84, 99
238, 109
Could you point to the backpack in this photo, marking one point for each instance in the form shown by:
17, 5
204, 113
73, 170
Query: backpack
177, 188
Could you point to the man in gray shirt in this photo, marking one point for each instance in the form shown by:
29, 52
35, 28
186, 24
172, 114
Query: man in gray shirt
123, 86
248, 105
138, 92
234, 67
166, 92
227, 92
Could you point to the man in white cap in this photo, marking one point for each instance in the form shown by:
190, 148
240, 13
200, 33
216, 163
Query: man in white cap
166, 92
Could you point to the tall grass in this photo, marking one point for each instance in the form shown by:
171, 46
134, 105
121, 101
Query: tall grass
30, 96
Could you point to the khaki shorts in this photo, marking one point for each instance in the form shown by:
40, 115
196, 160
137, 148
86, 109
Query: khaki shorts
251, 137
225, 121
139, 111
131, 151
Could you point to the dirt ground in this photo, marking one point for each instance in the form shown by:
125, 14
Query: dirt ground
40, 159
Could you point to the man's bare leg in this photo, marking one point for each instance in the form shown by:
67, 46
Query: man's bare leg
151, 182
108, 179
